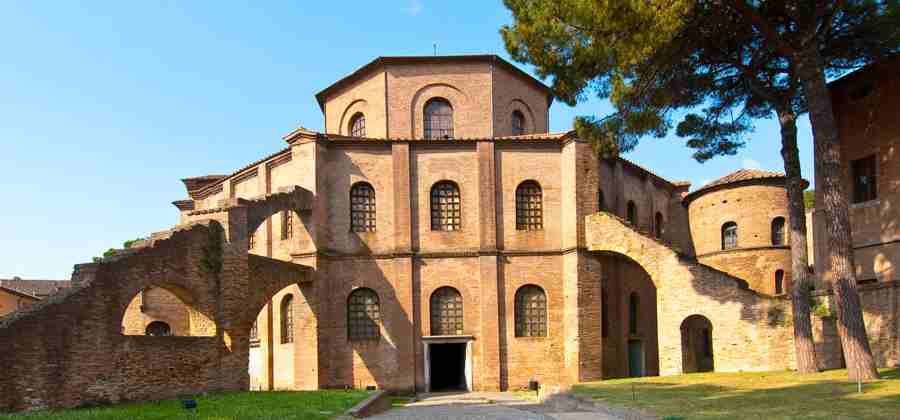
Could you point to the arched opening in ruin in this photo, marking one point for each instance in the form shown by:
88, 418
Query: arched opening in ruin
629, 326
697, 345
283, 344
163, 311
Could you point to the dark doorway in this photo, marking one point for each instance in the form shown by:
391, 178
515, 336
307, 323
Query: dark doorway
635, 358
697, 345
447, 362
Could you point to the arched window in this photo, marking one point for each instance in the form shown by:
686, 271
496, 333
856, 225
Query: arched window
438, 119
531, 312
658, 225
779, 282
446, 312
254, 331
632, 213
358, 125
529, 206
518, 123
287, 319
287, 224
778, 231
445, 206
363, 315
601, 201
362, 207
729, 235
158, 329
634, 303
604, 313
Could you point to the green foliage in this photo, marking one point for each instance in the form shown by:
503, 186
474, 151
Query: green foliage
809, 199
212, 252
129, 243
651, 58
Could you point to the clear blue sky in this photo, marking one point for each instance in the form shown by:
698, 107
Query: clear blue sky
105, 106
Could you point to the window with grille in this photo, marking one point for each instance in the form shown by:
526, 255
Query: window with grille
363, 315
358, 125
864, 185
446, 312
254, 335
658, 225
531, 312
632, 213
779, 282
778, 231
529, 206
729, 235
251, 241
445, 206
438, 119
362, 207
287, 224
634, 304
518, 123
287, 319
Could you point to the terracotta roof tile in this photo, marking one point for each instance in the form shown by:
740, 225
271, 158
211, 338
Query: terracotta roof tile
742, 175
33, 287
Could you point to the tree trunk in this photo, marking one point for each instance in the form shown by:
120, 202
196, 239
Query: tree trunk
850, 326
800, 286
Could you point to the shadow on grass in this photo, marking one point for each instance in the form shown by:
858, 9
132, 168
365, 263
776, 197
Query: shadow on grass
774, 395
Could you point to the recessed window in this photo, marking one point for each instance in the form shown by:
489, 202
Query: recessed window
358, 125
729, 235
438, 119
529, 206
778, 231
251, 241
531, 312
159, 329
287, 319
445, 207
362, 207
254, 331
658, 225
446, 312
518, 123
864, 179
634, 304
631, 213
601, 201
604, 313
779, 282
287, 224
363, 315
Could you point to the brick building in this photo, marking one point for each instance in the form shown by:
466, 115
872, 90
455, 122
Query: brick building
435, 236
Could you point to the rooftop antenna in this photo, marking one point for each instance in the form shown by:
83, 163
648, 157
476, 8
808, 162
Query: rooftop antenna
435, 48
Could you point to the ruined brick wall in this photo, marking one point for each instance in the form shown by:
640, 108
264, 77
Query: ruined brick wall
881, 313
158, 304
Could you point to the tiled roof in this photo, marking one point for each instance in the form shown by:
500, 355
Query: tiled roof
18, 293
33, 287
742, 175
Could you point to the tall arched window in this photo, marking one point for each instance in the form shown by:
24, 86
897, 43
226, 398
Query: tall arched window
634, 303
631, 213
658, 225
729, 235
446, 312
363, 315
604, 313
518, 123
287, 319
358, 125
779, 282
445, 206
601, 201
778, 231
287, 224
531, 312
362, 207
529, 206
438, 119
158, 329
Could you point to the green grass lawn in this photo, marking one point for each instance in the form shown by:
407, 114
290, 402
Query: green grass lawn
311, 405
762, 395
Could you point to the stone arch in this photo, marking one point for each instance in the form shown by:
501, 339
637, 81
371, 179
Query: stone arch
457, 99
166, 304
296, 198
517, 104
357, 106
697, 344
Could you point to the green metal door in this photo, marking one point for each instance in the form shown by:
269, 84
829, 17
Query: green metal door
635, 358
